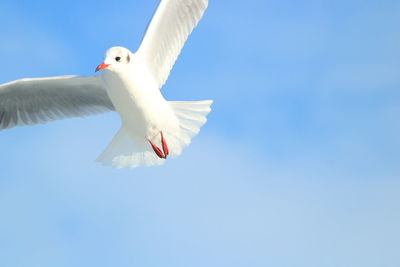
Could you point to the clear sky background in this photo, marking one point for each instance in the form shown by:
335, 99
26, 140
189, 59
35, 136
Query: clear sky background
298, 165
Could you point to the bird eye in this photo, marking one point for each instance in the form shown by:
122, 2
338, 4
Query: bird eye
117, 59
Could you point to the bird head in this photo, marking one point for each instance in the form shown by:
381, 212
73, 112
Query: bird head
115, 57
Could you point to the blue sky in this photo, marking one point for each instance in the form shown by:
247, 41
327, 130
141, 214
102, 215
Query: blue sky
298, 164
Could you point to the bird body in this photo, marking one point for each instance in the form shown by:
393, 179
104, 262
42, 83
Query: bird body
137, 99
152, 128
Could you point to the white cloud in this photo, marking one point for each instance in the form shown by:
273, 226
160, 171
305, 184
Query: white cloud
221, 203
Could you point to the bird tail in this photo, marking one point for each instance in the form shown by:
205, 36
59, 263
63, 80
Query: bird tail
124, 152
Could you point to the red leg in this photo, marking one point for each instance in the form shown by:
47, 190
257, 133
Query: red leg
164, 145
158, 151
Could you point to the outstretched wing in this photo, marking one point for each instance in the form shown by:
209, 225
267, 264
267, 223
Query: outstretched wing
39, 100
166, 34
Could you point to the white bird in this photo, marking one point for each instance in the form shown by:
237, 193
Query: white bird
151, 127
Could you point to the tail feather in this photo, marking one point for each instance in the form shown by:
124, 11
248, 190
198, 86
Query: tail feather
122, 152
191, 116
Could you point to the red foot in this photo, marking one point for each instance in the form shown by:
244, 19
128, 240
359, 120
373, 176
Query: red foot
157, 150
164, 145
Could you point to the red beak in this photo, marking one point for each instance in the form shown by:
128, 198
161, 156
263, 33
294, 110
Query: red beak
102, 66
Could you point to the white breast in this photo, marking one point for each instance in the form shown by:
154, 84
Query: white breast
137, 99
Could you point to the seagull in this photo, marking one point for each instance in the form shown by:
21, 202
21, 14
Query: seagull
152, 128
